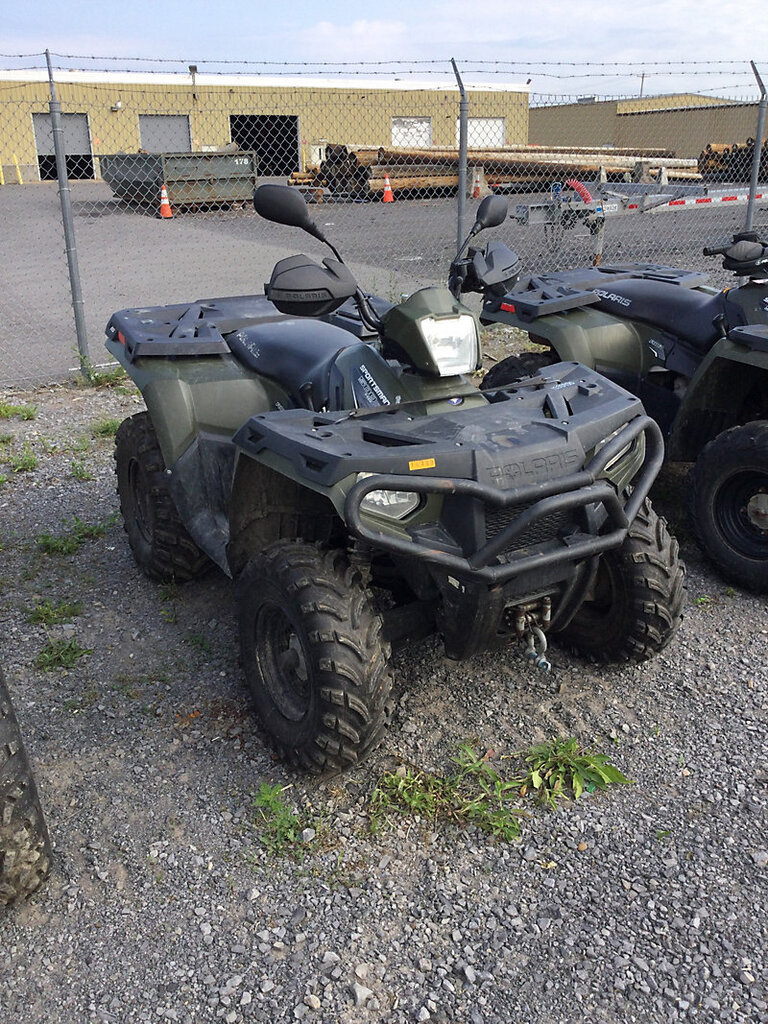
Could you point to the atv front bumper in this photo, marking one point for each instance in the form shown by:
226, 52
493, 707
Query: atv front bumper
536, 477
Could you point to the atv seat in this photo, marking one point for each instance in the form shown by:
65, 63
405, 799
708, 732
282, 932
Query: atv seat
298, 355
693, 315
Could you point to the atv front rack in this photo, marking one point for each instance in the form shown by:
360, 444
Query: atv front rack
577, 490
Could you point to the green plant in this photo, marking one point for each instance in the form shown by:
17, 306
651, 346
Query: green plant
49, 614
105, 378
279, 827
78, 471
472, 794
704, 601
59, 653
199, 641
24, 412
105, 427
24, 462
68, 543
561, 767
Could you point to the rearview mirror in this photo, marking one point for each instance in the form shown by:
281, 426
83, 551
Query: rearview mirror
283, 205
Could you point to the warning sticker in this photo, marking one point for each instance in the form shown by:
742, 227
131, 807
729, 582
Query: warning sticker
421, 464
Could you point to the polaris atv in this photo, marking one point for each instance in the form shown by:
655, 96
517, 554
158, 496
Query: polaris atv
329, 451
696, 356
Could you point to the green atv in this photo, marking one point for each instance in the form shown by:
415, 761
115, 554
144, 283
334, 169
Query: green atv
696, 356
331, 452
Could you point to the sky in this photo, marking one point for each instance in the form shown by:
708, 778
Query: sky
517, 40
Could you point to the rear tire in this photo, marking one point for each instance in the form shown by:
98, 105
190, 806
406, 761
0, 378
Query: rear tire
25, 848
160, 543
637, 602
313, 654
729, 504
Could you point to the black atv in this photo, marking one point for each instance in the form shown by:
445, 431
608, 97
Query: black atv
331, 452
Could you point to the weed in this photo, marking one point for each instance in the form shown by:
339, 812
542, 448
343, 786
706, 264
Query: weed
200, 642
24, 412
3, 479
105, 427
280, 828
50, 615
106, 378
68, 543
79, 471
561, 767
59, 653
473, 794
24, 462
6, 438
704, 601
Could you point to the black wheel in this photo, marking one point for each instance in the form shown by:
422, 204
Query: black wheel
514, 367
159, 540
729, 503
25, 849
313, 654
637, 600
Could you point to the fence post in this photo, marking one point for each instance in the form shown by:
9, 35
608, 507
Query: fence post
65, 199
463, 122
758, 151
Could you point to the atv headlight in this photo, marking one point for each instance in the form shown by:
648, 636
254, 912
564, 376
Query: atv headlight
393, 504
453, 342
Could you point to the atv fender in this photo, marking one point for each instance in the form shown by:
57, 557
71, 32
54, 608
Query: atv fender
729, 388
595, 339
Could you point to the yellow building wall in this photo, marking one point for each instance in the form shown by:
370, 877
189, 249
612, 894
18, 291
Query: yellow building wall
336, 114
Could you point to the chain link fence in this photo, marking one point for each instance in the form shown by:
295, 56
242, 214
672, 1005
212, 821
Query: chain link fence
160, 170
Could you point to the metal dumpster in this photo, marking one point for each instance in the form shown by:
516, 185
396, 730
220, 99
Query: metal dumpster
191, 179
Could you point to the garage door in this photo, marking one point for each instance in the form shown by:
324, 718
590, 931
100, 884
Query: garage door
165, 133
77, 146
412, 132
484, 132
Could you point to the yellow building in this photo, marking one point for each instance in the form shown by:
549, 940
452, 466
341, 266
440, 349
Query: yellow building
287, 121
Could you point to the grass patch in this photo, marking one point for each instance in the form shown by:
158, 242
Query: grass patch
109, 378
79, 471
69, 542
278, 825
24, 461
48, 614
475, 793
24, 412
105, 427
59, 653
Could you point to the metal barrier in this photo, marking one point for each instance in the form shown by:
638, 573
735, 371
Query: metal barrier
130, 189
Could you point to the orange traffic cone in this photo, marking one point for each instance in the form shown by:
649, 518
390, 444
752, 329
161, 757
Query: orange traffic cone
165, 207
388, 197
476, 185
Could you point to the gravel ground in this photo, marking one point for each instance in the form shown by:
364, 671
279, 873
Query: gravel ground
645, 903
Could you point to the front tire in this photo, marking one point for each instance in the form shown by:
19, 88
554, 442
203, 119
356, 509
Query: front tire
25, 849
729, 504
313, 654
161, 545
637, 601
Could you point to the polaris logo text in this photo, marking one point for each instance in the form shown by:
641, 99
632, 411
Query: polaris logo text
612, 297
531, 470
